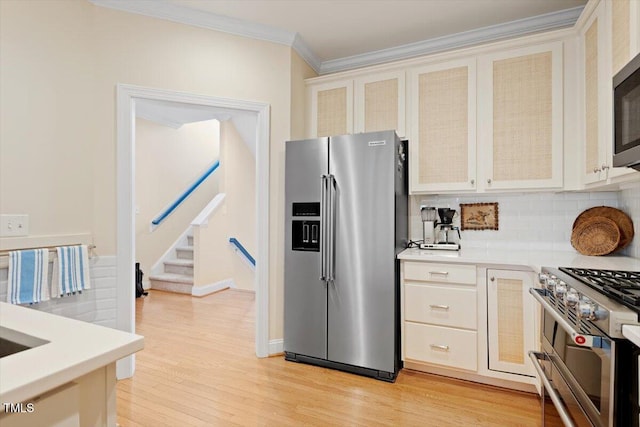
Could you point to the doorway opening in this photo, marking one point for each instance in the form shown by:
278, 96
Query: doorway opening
127, 96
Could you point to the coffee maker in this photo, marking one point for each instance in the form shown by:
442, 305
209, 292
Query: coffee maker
429, 222
436, 235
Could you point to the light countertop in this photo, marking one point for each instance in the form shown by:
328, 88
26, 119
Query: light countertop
632, 333
72, 349
529, 259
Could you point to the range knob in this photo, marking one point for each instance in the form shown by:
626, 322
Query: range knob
561, 289
542, 278
571, 298
551, 284
588, 310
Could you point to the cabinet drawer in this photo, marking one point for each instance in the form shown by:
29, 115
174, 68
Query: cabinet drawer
439, 345
440, 305
441, 273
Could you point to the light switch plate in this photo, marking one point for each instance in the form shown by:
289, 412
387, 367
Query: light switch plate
14, 225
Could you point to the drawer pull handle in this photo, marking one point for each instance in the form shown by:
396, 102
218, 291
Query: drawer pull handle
440, 306
440, 273
439, 347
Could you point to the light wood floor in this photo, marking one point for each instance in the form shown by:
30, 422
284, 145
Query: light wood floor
199, 368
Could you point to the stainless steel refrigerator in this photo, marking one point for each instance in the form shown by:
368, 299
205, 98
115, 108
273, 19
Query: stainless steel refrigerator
346, 220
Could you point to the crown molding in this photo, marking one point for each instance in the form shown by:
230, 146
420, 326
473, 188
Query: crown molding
521, 27
184, 15
306, 53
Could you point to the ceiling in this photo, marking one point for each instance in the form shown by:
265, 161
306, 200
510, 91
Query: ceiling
334, 35
177, 114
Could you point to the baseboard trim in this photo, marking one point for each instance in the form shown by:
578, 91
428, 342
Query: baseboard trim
276, 347
200, 291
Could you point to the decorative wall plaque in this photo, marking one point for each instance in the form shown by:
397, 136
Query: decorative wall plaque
479, 216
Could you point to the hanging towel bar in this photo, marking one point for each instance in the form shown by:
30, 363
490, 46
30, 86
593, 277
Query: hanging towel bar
4, 254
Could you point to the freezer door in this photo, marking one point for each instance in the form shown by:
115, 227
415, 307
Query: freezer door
305, 294
361, 306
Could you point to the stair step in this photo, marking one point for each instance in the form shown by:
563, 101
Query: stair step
172, 282
179, 266
184, 252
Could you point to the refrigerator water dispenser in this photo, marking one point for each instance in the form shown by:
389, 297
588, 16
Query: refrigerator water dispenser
305, 233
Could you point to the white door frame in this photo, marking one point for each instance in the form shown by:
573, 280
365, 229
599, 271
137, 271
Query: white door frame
126, 96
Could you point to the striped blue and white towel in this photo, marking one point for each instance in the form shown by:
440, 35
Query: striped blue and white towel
71, 270
28, 280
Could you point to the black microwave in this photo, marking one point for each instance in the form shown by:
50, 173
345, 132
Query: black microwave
626, 115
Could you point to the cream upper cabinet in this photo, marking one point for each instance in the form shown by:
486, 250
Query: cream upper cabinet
624, 16
511, 321
609, 38
368, 103
594, 122
443, 127
380, 103
520, 118
331, 108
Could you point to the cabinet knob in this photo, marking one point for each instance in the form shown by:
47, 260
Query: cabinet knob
489, 181
473, 182
596, 170
493, 279
605, 167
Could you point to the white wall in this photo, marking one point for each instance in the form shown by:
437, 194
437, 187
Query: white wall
168, 161
215, 257
60, 61
239, 186
47, 115
630, 204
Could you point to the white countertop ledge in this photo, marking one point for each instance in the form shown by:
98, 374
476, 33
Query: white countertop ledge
632, 333
73, 348
531, 259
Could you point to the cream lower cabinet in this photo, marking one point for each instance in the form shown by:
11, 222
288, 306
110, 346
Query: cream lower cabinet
439, 315
88, 401
470, 322
511, 321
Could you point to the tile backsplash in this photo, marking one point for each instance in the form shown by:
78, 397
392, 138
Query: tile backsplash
630, 203
541, 221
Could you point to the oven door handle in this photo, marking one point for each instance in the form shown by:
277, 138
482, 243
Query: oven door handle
555, 398
585, 340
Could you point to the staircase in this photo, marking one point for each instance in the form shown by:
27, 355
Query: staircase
178, 271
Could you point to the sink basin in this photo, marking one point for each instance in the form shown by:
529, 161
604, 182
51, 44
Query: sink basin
12, 342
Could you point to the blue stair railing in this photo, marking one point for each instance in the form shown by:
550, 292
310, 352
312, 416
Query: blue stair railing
242, 249
156, 221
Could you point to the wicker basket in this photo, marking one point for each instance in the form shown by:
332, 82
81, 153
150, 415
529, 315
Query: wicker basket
621, 219
596, 236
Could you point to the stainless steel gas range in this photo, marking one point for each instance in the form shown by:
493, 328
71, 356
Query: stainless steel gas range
589, 370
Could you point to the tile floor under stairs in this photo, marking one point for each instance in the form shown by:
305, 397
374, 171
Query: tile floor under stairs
178, 271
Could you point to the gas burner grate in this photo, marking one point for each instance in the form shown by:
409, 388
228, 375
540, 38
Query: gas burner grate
604, 275
621, 285
630, 295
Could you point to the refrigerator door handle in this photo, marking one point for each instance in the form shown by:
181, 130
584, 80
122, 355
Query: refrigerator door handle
323, 227
332, 228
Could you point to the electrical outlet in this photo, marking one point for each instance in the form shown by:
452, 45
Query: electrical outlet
14, 225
